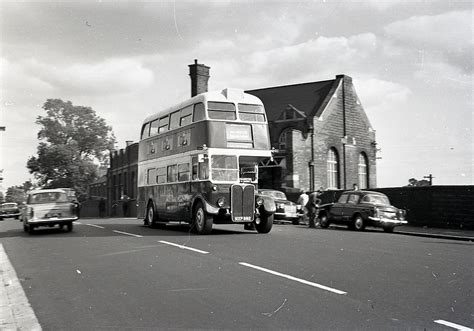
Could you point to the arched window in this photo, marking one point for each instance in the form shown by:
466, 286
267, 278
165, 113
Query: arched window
333, 168
363, 171
283, 140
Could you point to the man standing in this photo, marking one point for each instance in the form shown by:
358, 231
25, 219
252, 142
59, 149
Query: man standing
303, 201
313, 207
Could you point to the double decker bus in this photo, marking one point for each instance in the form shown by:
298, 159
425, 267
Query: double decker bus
197, 163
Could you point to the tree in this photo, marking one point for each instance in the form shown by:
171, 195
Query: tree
2, 197
18, 193
73, 142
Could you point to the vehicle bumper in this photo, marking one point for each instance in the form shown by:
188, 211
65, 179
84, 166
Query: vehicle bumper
51, 221
286, 216
10, 215
387, 221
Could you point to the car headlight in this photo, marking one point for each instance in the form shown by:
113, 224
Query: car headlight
281, 205
221, 202
259, 201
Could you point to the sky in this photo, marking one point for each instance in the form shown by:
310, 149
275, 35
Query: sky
411, 64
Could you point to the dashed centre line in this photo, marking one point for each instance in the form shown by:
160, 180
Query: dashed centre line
183, 247
303, 281
96, 226
128, 234
453, 325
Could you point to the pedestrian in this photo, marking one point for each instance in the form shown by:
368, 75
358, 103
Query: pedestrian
101, 207
125, 200
355, 187
313, 207
303, 201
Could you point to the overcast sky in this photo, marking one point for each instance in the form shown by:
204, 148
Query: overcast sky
411, 64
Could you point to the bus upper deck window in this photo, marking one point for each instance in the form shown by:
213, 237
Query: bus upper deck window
251, 112
174, 120
154, 128
146, 131
221, 110
186, 116
199, 112
163, 124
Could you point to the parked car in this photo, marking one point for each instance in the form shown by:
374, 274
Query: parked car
49, 207
285, 209
358, 209
9, 209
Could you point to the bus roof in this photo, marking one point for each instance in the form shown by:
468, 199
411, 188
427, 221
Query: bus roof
225, 95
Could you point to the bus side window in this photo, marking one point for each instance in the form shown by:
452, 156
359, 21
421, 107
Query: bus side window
161, 175
199, 113
163, 124
172, 174
150, 176
174, 120
146, 131
153, 128
195, 168
183, 172
186, 116
204, 169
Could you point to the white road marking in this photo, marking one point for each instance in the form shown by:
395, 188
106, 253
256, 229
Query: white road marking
453, 325
128, 234
96, 226
16, 311
184, 247
330, 289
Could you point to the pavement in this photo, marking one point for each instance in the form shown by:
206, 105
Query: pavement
444, 233
423, 231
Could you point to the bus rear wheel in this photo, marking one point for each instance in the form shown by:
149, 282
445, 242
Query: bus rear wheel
202, 222
150, 218
264, 223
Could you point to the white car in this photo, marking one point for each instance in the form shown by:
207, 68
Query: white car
49, 207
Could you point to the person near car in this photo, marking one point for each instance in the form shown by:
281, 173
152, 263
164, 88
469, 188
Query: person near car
312, 207
303, 201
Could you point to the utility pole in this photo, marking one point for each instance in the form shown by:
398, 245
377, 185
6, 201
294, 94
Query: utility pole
430, 177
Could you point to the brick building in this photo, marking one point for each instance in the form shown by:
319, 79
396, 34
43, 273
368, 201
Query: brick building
322, 134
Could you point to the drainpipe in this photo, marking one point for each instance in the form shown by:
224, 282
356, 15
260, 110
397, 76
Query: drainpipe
311, 162
344, 133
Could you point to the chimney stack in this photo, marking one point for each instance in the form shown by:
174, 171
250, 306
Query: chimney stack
199, 76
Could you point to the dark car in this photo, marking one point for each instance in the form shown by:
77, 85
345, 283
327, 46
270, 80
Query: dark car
9, 209
285, 209
358, 209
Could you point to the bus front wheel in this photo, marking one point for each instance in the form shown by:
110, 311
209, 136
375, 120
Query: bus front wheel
264, 223
202, 222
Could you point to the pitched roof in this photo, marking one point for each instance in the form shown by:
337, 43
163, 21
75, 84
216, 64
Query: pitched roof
306, 97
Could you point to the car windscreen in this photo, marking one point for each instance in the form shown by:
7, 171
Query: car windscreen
275, 194
47, 197
9, 205
377, 199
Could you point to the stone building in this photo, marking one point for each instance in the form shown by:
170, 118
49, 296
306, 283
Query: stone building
322, 136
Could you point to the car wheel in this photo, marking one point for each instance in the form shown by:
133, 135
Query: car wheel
359, 224
69, 227
264, 223
202, 222
324, 221
150, 218
25, 227
295, 221
388, 229
31, 229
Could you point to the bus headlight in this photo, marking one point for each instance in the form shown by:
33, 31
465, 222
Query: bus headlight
221, 202
259, 201
214, 187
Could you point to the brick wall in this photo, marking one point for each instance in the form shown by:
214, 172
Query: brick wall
439, 206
